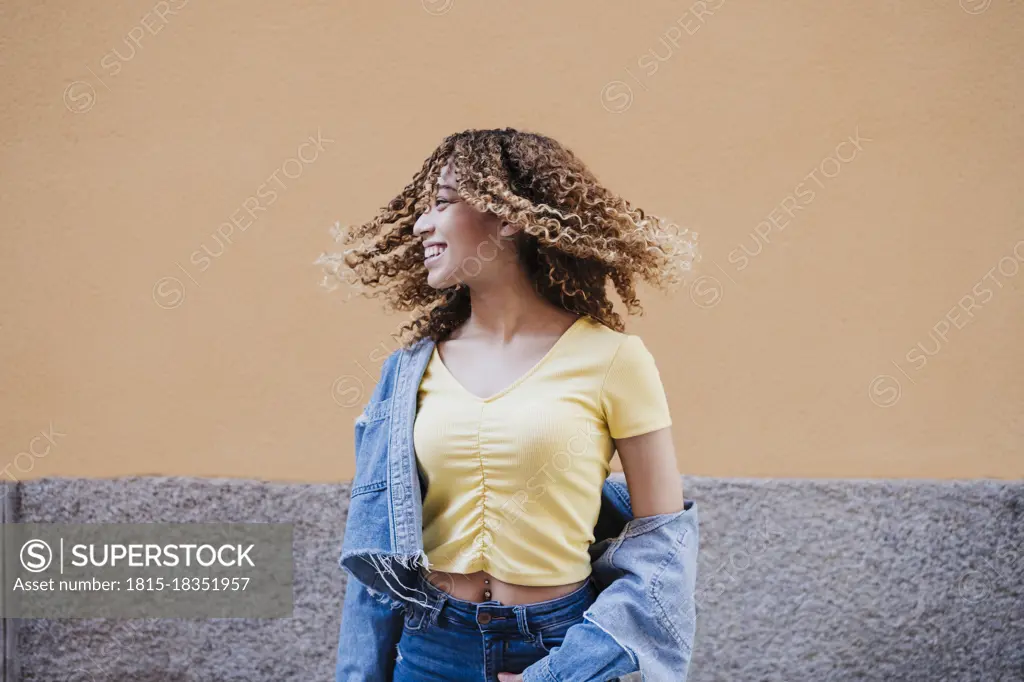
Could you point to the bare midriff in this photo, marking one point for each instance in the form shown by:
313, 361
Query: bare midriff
481, 586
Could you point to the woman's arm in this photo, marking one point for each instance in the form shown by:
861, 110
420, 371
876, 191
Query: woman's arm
649, 464
639, 422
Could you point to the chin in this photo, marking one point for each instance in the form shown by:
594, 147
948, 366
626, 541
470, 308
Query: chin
437, 281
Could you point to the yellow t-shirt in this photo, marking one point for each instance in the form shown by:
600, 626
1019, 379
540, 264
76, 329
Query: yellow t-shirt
514, 480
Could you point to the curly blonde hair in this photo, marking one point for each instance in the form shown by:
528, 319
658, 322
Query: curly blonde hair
575, 233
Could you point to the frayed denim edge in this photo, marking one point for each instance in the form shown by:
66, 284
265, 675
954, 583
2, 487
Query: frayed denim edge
382, 566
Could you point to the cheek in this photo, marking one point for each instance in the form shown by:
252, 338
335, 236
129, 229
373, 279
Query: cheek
465, 238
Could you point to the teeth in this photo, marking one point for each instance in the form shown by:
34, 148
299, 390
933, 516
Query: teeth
433, 251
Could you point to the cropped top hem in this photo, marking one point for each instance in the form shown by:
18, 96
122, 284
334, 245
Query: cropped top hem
523, 579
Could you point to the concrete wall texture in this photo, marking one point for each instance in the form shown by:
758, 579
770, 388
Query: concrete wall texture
797, 580
852, 170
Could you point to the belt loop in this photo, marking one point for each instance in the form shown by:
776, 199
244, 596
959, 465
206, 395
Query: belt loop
435, 610
428, 588
524, 627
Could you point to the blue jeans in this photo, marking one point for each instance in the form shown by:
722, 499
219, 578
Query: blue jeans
454, 640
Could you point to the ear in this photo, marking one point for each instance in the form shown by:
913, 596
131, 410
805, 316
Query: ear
507, 231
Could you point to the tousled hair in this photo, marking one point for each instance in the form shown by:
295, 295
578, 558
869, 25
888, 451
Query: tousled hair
576, 234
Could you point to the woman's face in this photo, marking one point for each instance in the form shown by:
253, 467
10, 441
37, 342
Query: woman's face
460, 242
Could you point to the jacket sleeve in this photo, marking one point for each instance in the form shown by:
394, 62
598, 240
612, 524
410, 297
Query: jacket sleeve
369, 636
604, 659
644, 619
370, 626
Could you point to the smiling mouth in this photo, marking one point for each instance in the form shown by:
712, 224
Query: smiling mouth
432, 253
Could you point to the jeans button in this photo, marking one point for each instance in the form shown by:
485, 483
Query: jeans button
483, 618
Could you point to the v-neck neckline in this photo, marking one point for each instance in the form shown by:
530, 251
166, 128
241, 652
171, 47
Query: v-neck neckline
551, 351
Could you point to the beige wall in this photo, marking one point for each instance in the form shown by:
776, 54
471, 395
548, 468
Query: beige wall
130, 139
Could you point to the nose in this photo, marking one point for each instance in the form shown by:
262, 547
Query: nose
423, 224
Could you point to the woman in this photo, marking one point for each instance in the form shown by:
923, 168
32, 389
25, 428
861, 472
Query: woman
502, 246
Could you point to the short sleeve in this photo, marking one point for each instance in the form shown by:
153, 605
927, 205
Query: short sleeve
632, 396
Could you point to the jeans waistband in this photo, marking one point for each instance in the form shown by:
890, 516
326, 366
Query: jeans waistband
492, 615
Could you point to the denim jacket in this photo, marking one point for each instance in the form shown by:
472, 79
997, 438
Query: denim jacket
645, 568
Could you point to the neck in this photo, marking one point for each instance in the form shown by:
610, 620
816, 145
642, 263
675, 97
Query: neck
508, 305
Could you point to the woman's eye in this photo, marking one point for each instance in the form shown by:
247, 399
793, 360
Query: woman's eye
441, 200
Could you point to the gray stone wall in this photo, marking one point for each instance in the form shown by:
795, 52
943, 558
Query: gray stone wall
798, 580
